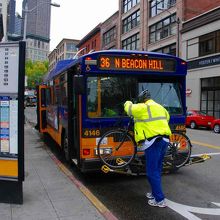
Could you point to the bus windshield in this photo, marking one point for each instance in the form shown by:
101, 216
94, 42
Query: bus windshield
106, 95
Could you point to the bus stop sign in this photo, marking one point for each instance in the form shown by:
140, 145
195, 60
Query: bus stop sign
12, 69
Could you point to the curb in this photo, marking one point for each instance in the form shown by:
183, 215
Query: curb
93, 199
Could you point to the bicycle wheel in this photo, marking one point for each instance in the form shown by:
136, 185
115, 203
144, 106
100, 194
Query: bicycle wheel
116, 148
179, 150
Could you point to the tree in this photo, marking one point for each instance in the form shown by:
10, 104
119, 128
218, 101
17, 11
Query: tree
35, 72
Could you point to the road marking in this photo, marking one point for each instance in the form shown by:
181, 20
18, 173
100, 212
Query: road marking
210, 154
206, 145
187, 211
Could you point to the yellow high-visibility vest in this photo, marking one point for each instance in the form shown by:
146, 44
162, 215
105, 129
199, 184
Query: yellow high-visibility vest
150, 119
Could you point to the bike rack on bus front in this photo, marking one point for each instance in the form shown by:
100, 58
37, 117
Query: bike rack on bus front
166, 169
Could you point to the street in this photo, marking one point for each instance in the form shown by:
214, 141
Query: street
192, 192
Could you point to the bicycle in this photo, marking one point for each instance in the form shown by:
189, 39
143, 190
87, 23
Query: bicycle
117, 148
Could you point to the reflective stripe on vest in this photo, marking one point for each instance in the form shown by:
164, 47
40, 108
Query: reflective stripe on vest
150, 116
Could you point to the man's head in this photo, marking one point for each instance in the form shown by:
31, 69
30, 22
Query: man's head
144, 96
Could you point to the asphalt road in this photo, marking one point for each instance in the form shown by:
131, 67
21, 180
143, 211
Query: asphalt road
191, 192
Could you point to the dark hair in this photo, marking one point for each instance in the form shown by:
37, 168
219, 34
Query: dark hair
144, 95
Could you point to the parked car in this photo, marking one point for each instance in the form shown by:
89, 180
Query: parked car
216, 125
197, 118
30, 101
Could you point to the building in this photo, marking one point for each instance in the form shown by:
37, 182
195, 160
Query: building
18, 24
66, 49
149, 25
186, 28
201, 49
92, 41
37, 48
38, 19
4, 16
38, 29
14, 23
1, 28
109, 32
11, 17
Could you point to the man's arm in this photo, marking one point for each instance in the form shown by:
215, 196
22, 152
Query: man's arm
127, 107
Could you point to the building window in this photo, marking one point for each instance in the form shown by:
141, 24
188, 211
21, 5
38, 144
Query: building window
170, 49
131, 43
163, 29
209, 43
109, 36
156, 7
131, 22
69, 56
192, 48
128, 4
210, 96
70, 47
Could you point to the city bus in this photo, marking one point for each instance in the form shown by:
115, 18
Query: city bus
83, 98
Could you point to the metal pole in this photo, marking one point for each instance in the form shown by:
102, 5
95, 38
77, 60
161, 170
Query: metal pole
178, 38
25, 22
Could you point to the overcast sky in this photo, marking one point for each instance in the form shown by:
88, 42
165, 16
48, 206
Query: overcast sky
75, 18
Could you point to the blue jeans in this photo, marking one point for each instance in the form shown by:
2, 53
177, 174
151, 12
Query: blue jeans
154, 163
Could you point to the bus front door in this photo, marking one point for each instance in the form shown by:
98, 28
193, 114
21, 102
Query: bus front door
41, 109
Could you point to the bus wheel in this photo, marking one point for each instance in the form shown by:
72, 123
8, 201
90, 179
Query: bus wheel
65, 147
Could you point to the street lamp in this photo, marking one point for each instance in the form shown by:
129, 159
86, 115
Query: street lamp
26, 10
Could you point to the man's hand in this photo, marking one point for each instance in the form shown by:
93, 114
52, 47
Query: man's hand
128, 103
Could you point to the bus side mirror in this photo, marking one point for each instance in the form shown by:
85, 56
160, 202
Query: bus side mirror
79, 84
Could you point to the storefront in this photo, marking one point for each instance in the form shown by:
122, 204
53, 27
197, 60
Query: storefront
210, 96
203, 82
201, 49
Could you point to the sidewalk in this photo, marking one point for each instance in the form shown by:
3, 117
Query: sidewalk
48, 192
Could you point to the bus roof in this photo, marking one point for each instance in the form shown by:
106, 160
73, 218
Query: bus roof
60, 66
117, 51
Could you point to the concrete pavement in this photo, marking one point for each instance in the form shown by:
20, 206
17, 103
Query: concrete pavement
50, 191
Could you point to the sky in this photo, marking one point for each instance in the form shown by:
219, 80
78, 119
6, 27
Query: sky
76, 18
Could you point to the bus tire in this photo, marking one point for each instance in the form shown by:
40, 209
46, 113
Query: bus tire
65, 147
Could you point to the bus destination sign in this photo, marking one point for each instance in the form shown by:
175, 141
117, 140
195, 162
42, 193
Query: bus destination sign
136, 63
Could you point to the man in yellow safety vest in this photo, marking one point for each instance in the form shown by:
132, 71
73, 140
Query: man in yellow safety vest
151, 127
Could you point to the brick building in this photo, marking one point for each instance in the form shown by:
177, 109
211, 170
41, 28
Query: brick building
109, 32
92, 41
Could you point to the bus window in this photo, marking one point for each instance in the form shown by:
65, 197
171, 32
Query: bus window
48, 97
63, 93
106, 95
166, 93
57, 97
43, 97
